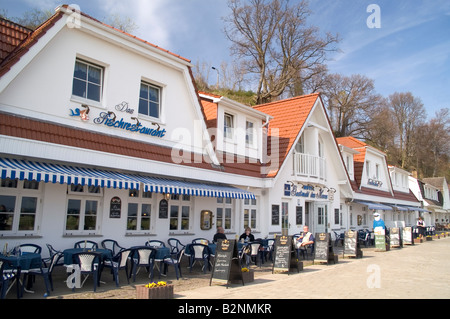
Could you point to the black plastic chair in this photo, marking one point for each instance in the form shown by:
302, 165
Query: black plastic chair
52, 251
175, 261
28, 249
112, 246
254, 252
89, 263
175, 245
119, 262
7, 274
203, 241
155, 243
199, 252
143, 257
46, 273
88, 244
339, 238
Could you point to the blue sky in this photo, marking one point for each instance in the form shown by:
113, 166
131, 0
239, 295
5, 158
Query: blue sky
409, 52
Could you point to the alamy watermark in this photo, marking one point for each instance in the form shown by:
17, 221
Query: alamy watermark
374, 19
374, 279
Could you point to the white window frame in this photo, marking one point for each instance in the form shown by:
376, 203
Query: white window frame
250, 207
102, 71
19, 193
142, 198
160, 96
250, 133
226, 205
180, 201
82, 216
228, 131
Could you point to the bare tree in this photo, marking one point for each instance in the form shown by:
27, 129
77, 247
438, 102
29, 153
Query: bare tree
433, 145
408, 113
351, 101
276, 43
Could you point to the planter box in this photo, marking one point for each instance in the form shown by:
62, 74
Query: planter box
418, 241
165, 292
247, 276
429, 238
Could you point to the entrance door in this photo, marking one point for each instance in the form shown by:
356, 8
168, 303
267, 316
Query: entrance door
284, 219
321, 218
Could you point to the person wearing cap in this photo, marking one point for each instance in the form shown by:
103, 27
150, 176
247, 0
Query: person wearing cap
378, 224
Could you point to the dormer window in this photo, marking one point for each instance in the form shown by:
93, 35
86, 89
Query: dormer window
249, 133
228, 125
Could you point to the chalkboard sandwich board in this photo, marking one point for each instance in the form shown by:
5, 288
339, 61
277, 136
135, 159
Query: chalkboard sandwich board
284, 256
226, 263
352, 246
407, 235
323, 250
395, 236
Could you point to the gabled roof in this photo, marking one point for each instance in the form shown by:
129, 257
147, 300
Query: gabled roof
19, 48
358, 165
289, 117
12, 34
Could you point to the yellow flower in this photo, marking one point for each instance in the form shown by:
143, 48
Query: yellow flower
244, 270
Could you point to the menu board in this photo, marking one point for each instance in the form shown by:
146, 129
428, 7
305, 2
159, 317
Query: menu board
226, 262
115, 207
282, 253
407, 236
395, 237
322, 247
351, 245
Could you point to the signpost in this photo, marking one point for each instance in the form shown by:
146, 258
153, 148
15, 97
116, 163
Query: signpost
226, 263
352, 246
323, 250
407, 234
395, 237
284, 255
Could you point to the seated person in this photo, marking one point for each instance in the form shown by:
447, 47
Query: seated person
247, 236
305, 239
219, 235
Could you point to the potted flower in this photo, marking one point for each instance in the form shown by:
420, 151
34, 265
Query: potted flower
248, 275
429, 238
159, 290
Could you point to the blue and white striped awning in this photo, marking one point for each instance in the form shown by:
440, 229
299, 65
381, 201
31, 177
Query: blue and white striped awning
372, 205
65, 174
170, 186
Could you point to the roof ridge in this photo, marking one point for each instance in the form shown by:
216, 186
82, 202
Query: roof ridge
286, 100
65, 6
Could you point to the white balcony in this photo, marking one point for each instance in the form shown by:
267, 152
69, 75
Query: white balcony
310, 166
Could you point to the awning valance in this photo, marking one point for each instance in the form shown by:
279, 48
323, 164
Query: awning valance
66, 174
372, 205
170, 186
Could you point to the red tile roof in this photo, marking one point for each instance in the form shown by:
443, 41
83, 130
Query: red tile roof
289, 116
31, 129
11, 35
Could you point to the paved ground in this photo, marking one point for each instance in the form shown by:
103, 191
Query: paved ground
414, 272
419, 271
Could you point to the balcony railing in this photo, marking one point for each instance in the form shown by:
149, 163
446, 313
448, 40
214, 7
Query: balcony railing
310, 166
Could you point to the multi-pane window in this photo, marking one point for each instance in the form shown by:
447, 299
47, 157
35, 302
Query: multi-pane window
228, 126
82, 215
224, 213
180, 209
82, 211
87, 81
250, 210
139, 211
249, 133
150, 100
19, 205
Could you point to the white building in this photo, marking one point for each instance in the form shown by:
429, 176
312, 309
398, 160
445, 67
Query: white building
376, 187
